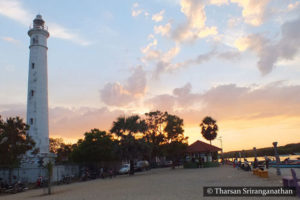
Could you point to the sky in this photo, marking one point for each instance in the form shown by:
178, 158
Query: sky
234, 60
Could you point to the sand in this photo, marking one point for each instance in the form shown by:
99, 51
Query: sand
155, 184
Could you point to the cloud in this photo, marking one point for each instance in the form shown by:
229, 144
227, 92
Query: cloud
61, 32
14, 9
10, 40
165, 65
229, 55
150, 45
136, 11
74, 122
293, 6
151, 54
69, 123
218, 2
158, 16
230, 101
137, 82
253, 102
11, 110
195, 26
270, 52
115, 94
253, 10
164, 30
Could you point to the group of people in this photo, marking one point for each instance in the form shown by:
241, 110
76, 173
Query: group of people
247, 166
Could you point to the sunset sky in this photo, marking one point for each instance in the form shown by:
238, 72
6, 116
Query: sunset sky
235, 60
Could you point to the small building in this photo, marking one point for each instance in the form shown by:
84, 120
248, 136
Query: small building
201, 150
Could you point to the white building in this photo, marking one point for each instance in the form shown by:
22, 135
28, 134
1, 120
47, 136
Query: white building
37, 98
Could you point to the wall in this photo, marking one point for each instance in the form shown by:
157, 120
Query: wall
30, 175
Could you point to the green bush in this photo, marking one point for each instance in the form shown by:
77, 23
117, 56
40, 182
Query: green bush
190, 165
211, 164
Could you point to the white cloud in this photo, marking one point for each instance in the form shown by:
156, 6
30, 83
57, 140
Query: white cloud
136, 11
218, 2
233, 21
253, 10
13, 9
169, 55
293, 6
194, 11
151, 54
195, 26
164, 30
158, 16
61, 32
150, 45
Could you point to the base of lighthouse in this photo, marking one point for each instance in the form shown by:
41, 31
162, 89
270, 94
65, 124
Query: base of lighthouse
38, 160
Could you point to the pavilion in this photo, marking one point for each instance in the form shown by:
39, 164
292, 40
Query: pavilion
201, 150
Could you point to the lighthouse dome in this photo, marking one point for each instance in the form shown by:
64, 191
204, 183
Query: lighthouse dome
38, 21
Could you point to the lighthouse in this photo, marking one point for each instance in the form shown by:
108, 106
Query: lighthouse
37, 94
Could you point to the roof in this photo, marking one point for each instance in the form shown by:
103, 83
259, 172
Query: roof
202, 147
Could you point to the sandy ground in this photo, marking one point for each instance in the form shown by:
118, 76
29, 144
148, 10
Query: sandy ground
156, 184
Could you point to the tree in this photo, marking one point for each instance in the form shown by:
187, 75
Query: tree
14, 142
128, 130
55, 144
96, 147
63, 151
176, 142
155, 133
209, 128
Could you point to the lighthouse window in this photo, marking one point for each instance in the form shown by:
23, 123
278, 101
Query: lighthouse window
35, 40
32, 65
31, 121
32, 93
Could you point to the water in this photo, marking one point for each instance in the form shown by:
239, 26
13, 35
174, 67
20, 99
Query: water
262, 158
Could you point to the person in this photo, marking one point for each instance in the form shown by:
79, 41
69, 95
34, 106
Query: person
267, 162
234, 163
286, 161
255, 164
239, 164
246, 165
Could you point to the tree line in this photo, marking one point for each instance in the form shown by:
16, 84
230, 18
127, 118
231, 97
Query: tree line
268, 151
130, 138
156, 134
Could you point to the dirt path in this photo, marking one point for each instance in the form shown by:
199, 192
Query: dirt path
154, 184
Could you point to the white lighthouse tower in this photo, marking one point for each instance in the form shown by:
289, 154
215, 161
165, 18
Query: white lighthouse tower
37, 99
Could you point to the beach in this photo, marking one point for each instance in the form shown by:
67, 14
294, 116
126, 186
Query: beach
156, 184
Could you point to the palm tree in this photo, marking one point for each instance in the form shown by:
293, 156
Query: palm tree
209, 128
127, 129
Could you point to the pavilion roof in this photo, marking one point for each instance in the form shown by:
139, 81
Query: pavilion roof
202, 147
